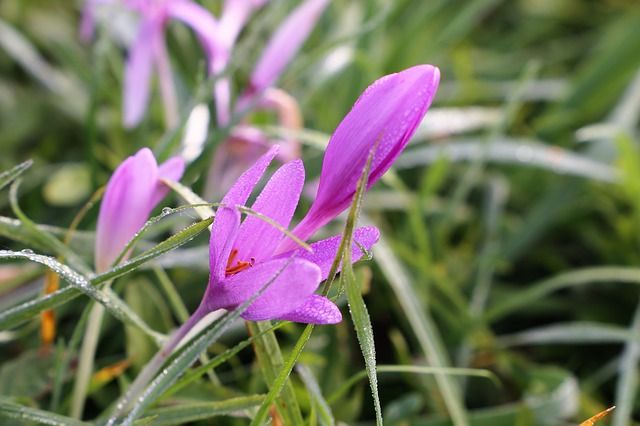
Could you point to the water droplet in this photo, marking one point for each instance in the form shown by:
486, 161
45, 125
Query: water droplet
27, 251
166, 211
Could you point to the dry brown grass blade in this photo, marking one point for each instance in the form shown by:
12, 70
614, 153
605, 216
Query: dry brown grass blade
592, 420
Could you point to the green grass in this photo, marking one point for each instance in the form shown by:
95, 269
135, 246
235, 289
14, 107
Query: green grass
511, 247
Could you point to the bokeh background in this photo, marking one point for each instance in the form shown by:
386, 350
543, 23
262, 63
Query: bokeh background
511, 224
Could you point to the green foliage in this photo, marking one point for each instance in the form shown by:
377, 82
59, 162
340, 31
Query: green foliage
510, 228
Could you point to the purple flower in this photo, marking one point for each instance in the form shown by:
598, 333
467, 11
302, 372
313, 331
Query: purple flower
283, 46
132, 193
244, 256
385, 117
149, 50
246, 144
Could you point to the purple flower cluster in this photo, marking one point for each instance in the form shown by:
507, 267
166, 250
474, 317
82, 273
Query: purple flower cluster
244, 255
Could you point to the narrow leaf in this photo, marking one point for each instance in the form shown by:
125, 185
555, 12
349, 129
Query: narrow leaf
192, 412
11, 410
27, 310
324, 411
10, 175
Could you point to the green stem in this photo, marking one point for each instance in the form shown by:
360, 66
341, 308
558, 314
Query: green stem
85, 362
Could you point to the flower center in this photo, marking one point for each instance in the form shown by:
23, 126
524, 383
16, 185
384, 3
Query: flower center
240, 265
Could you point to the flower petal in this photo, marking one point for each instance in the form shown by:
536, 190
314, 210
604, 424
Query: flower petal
241, 190
385, 116
290, 282
315, 310
285, 43
227, 221
137, 79
324, 251
203, 23
223, 237
172, 169
222, 92
234, 16
278, 201
125, 207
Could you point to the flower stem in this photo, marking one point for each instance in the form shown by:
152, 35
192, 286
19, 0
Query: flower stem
156, 363
85, 362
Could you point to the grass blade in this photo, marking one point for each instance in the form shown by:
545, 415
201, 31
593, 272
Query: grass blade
193, 412
357, 307
575, 278
423, 326
413, 369
324, 411
627, 385
185, 356
11, 410
276, 373
12, 174
27, 310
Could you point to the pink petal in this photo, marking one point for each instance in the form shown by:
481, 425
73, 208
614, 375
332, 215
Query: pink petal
222, 92
234, 16
241, 190
385, 116
223, 237
315, 310
87, 21
324, 251
227, 221
278, 201
137, 79
125, 207
290, 283
285, 43
244, 147
172, 169
203, 23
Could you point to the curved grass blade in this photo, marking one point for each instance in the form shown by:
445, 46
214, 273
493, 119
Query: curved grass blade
10, 175
184, 357
42, 236
109, 300
276, 374
193, 412
324, 411
570, 334
575, 278
281, 381
220, 359
413, 369
27, 310
205, 210
627, 383
423, 326
512, 151
11, 410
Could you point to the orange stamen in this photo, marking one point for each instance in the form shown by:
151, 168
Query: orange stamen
240, 265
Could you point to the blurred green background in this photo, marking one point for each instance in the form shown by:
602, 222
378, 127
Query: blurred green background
511, 224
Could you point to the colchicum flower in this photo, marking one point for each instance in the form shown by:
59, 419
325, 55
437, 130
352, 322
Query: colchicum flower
247, 143
132, 192
246, 255
149, 50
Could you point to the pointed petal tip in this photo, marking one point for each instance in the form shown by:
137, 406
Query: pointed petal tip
315, 310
